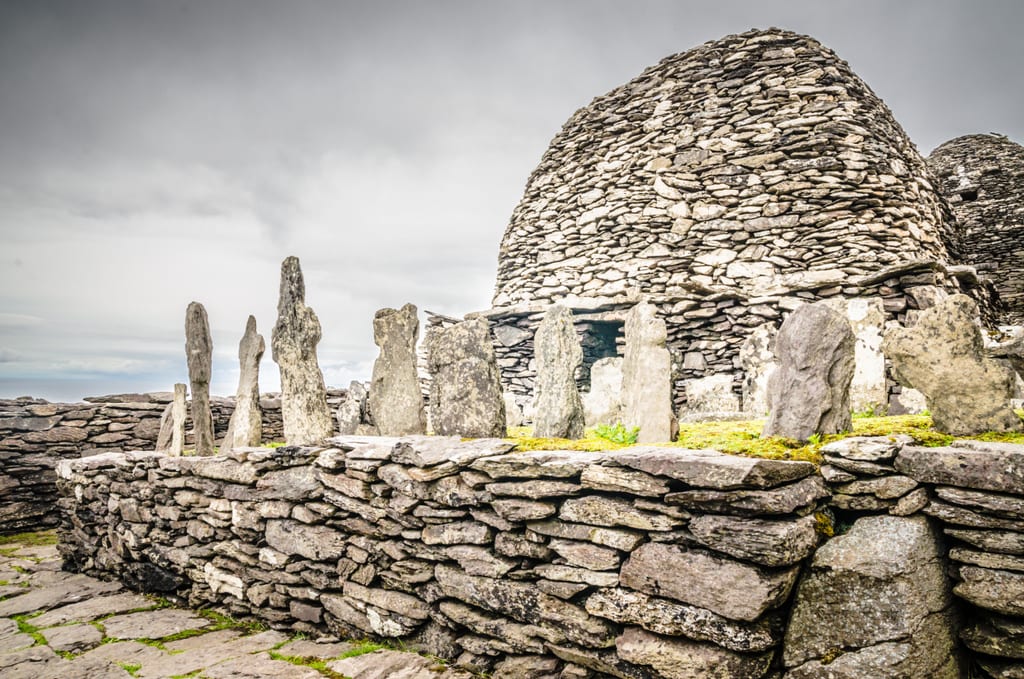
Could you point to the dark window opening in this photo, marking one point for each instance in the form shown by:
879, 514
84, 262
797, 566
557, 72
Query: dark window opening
968, 196
599, 339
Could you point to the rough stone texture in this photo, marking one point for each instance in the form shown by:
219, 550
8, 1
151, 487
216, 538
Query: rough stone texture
711, 398
881, 583
603, 403
199, 352
558, 407
352, 411
395, 399
758, 361
646, 376
465, 393
971, 464
297, 332
810, 392
868, 390
245, 428
786, 180
681, 659
942, 355
178, 415
980, 176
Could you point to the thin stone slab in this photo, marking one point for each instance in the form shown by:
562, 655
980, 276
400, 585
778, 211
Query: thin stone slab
765, 542
1001, 669
90, 609
997, 590
385, 664
34, 663
1002, 542
153, 624
206, 650
558, 464
1009, 506
738, 591
64, 588
557, 356
788, 499
619, 480
260, 666
598, 510
1007, 562
967, 464
712, 469
866, 448
451, 452
961, 516
679, 658
995, 635
882, 487
673, 618
72, 638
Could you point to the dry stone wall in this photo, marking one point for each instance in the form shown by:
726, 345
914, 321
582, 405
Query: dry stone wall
522, 563
726, 185
982, 177
641, 563
36, 434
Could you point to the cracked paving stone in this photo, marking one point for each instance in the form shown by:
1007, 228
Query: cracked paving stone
153, 624
84, 611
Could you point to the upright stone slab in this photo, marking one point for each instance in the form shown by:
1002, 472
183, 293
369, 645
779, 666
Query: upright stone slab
868, 390
943, 357
557, 352
758, 361
304, 411
465, 394
810, 391
352, 411
395, 398
875, 603
172, 423
245, 428
603, 403
199, 352
647, 376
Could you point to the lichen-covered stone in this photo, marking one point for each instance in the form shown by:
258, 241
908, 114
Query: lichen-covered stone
245, 428
646, 376
556, 348
465, 393
199, 351
679, 658
395, 400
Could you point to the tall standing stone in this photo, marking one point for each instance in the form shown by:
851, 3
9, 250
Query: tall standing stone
809, 393
199, 351
603, 403
304, 412
465, 393
557, 351
246, 425
647, 376
943, 357
395, 397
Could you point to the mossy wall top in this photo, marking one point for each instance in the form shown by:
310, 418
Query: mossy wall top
750, 163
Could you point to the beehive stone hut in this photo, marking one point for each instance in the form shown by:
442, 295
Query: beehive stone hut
726, 185
982, 177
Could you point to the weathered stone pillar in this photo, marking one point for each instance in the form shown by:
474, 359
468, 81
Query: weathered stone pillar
809, 393
395, 398
647, 376
246, 425
352, 410
199, 352
603, 403
171, 438
465, 394
943, 357
304, 411
557, 352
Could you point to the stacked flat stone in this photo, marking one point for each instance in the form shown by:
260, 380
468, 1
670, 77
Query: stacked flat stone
36, 434
979, 500
727, 185
861, 476
644, 562
982, 177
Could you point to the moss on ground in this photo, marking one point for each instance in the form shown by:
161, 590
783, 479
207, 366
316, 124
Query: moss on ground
35, 539
744, 437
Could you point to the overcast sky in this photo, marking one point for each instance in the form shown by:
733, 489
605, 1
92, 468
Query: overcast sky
155, 153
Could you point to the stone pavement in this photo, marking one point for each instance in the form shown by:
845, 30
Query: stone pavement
59, 625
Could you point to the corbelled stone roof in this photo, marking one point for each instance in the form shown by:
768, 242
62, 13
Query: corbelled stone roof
754, 162
982, 176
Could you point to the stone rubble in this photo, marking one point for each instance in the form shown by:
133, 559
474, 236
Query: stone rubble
559, 410
199, 352
304, 409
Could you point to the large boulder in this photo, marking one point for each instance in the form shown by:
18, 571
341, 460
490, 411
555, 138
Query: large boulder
304, 412
810, 391
199, 352
943, 357
465, 393
395, 398
557, 352
875, 602
647, 376
245, 428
